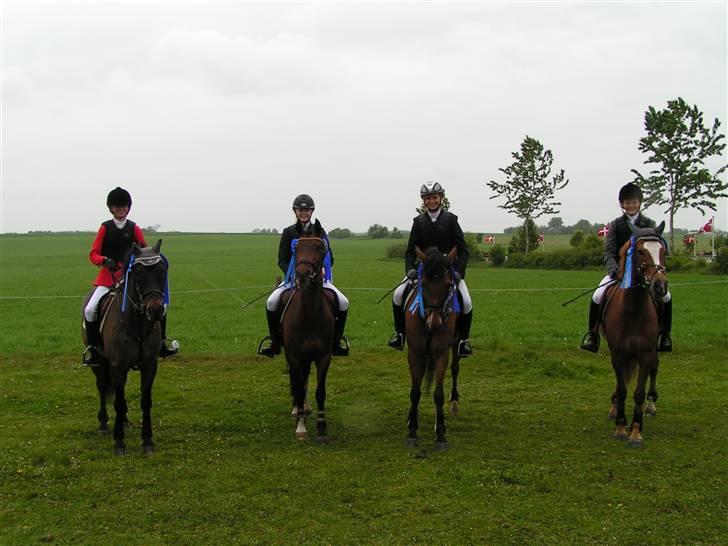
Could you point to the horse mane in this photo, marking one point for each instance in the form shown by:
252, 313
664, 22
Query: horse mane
435, 264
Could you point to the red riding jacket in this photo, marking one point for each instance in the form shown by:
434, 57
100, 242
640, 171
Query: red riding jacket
112, 242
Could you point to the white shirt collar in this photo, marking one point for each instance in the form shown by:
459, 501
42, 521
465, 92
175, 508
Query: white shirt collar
434, 215
633, 218
119, 223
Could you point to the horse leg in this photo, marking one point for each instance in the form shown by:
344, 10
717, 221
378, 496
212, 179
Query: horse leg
635, 437
299, 374
454, 395
620, 395
651, 408
120, 408
102, 385
306, 405
147, 380
439, 397
322, 368
417, 368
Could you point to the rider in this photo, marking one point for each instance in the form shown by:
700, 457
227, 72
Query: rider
439, 228
630, 200
113, 241
303, 207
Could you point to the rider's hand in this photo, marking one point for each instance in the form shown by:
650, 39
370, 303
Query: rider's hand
412, 274
614, 273
108, 262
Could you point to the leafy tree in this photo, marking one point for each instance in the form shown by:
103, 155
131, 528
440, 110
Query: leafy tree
377, 232
340, 233
526, 237
529, 188
591, 241
577, 239
583, 225
678, 143
471, 240
445, 206
555, 225
395, 234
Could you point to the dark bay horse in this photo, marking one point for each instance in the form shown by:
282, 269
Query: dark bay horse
431, 336
630, 325
307, 331
132, 338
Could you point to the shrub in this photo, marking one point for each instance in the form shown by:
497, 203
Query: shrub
396, 251
721, 260
575, 258
471, 239
577, 239
377, 232
396, 234
498, 255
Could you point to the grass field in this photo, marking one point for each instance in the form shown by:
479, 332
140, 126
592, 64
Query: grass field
531, 456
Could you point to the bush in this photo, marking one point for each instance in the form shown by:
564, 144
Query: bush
396, 251
498, 255
575, 258
577, 239
518, 241
679, 263
396, 234
721, 260
340, 233
471, 240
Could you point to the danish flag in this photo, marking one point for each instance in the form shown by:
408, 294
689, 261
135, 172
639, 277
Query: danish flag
540, 237
604, 231
707, 228
489, 239
689, 239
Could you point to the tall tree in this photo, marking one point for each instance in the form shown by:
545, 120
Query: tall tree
678, 143
529, 187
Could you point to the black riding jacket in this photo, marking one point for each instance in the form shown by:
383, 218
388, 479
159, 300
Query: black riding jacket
444, 233
619, 233
284, 248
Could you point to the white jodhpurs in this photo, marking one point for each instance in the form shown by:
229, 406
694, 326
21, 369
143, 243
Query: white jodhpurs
92, 306
274, 300
466, 301
599, 292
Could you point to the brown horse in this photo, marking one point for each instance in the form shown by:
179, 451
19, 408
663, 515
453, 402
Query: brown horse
630, 325
131, 340
431, 336
307, 331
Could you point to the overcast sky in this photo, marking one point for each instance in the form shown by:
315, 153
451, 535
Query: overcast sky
214, 115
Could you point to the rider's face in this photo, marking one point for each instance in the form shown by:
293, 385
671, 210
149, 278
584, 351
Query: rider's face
631, 206
119, 212
432, 202
303, 215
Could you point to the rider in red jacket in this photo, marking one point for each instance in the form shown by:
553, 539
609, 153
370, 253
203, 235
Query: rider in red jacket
108, 251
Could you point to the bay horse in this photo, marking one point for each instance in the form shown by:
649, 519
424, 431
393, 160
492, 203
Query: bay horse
630, 324
431, 333
131, 334
307, 331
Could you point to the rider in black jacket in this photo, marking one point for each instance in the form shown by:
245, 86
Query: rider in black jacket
630, 200
439, 228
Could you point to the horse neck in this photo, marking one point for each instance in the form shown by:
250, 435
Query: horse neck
636, 299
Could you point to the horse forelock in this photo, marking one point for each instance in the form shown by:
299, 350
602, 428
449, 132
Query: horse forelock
435, 263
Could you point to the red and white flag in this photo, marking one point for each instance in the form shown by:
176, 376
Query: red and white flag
540, 237
604, 231
689, 239
707, 228
489, 239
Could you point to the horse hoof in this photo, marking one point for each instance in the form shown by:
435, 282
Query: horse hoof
620, 434
454, 407
119, 451
148, 450
440, 446
651, 410
301, 436
322, 440
635, 443
412, 442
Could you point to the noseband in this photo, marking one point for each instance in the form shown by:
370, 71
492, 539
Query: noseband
314, 266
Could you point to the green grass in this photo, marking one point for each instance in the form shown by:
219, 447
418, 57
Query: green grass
531, 457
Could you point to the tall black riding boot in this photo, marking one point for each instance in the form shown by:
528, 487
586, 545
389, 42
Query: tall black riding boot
665, 343
274, 330
464, 322
170, 347
591, 339
397, 339
91, 355
341, 345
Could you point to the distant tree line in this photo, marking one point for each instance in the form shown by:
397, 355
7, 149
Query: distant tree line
266, 231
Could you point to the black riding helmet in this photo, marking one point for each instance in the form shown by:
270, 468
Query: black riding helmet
303, 201
431, 188
630, 191
118, 197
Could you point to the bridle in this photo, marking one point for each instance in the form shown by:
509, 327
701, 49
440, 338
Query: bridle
314, 267
142, 295
647, 280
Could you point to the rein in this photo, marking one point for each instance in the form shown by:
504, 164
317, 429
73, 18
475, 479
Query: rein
451, 303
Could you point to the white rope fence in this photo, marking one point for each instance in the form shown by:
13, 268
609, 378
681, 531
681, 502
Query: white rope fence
351, 289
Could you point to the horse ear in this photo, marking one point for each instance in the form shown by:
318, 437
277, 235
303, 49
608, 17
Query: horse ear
451, 255
420, 254
135, 249
659, 229
317, 229
157, 246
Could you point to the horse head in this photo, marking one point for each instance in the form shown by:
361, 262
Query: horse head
436, 285
311, 249
649, 259
147, 279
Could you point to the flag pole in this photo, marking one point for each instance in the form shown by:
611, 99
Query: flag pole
712, 241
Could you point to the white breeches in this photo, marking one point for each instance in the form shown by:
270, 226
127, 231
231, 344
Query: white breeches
467, 302
89, 312
599, 292
274, 300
